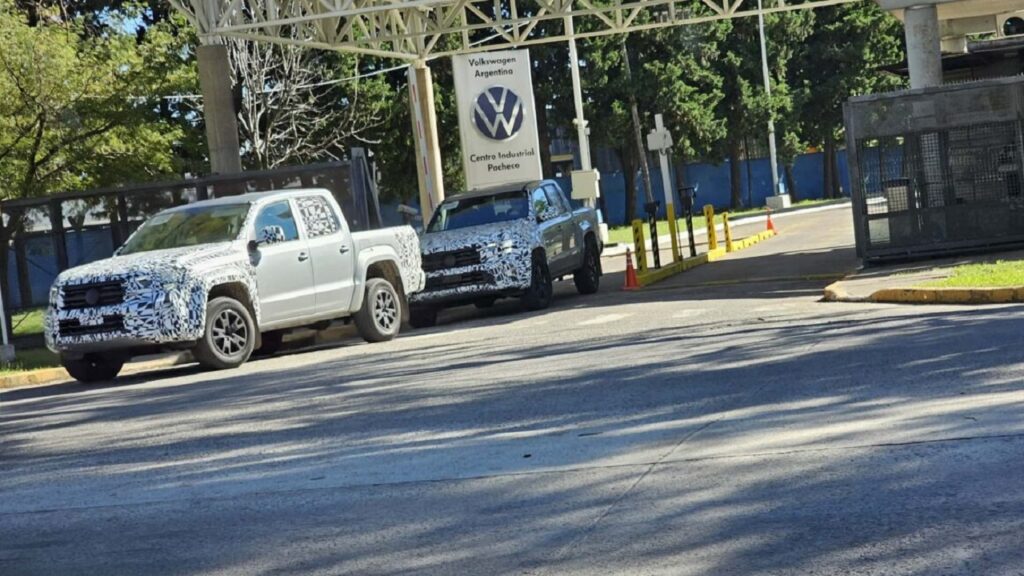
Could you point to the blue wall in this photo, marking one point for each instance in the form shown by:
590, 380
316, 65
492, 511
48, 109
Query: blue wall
713, 184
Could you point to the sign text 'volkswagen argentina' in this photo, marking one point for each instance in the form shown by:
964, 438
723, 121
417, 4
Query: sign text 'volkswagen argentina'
496, 118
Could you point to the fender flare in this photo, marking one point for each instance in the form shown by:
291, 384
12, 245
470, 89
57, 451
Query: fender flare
367, 258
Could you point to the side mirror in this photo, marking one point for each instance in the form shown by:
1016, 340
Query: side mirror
546, 214
268, 235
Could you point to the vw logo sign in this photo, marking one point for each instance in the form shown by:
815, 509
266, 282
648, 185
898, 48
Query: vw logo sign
498, 113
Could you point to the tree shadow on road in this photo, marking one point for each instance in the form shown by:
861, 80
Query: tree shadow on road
772, 448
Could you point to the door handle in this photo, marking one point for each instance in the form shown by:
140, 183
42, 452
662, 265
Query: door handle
343, 249
303, 256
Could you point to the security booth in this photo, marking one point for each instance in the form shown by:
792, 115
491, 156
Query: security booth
937, 171
41, 237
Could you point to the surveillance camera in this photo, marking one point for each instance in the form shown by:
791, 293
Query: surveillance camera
403, 209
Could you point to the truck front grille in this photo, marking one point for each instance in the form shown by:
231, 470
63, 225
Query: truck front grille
80, 296
451, 259
73, 327
456, 280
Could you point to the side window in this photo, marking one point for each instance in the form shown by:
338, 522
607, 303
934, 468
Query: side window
317, 216
555, 198
278, 214
539, 200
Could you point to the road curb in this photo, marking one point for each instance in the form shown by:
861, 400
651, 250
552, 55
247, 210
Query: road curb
949, 295
836, 292
45, 376
666, 272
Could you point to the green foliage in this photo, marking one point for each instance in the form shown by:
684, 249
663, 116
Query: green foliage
842, 57
79, 110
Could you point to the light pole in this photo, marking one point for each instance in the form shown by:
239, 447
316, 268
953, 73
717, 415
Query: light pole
585, 180
768, 91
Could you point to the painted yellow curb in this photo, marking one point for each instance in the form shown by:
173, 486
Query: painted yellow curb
949, 295
654, 276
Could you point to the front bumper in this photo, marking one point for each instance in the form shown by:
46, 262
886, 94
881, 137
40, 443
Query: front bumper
488, 272
143, 319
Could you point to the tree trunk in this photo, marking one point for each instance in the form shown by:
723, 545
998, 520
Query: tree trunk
544, 139
826, 188
791, 183
735, 175
629, 175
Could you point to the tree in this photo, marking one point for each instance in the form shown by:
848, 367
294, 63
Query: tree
79, 111
854, 42
745, 107
300, 106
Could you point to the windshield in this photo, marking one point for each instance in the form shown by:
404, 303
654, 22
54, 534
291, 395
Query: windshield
188, 227
501, 207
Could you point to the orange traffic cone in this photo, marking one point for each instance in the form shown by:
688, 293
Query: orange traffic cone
631, 281
771, 227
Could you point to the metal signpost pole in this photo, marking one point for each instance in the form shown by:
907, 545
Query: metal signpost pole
660, 140
768, 90
6, 350
577, 97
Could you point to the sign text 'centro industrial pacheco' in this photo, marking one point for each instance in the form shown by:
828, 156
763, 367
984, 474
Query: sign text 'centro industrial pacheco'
496, 118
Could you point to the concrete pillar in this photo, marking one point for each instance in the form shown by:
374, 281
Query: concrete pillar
219, 109
924, 46
428, 150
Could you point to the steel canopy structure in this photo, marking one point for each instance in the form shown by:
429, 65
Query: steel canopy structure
418, 30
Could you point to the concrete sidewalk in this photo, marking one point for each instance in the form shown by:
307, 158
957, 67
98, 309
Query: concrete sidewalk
904, 283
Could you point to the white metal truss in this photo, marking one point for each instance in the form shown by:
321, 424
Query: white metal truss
425, 29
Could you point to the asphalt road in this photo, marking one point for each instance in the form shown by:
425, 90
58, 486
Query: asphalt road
704, 427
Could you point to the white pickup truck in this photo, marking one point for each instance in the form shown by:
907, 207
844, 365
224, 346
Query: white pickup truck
226, 277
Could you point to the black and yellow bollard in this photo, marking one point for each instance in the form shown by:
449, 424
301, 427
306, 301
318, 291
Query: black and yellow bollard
640, 246
728, 232
709, 223
672, 229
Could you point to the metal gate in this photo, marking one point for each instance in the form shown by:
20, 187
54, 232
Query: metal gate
937, 171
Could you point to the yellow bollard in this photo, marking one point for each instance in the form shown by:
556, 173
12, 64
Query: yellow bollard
728, 232
640, 245
709, 222
671, 208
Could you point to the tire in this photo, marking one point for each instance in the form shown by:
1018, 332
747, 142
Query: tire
485, 303
272, 342
538, 295
380, 317
230, 335
588, 277
93, 368
422, 317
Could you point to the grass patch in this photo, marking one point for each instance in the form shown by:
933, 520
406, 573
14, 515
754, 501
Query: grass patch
30, 359
28, 322
1000, 274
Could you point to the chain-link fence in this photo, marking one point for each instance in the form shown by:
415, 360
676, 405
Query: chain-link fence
937, 171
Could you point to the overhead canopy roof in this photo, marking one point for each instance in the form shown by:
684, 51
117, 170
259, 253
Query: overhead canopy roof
423, 29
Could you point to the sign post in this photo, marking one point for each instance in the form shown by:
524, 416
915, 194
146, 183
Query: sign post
6, 349
660, 140
497, 121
